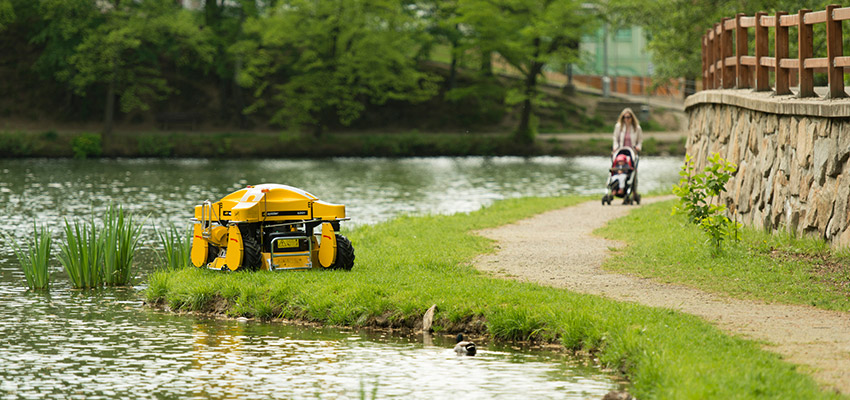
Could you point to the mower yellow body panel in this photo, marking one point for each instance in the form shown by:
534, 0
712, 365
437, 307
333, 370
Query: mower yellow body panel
269, 226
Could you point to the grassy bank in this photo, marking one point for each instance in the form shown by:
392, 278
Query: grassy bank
407, 264
773, 268
54, 144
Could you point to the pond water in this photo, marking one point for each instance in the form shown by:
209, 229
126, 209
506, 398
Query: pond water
106, 344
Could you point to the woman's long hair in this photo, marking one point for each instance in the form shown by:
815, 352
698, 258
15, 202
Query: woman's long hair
635, 122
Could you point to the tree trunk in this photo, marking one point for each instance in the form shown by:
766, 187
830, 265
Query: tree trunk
486, 63
525, 132
453, 67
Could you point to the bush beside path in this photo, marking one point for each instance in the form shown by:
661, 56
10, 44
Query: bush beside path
558, 249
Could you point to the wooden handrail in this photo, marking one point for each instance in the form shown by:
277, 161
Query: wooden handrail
727, 64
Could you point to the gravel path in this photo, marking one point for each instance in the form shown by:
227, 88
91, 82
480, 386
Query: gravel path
817, 340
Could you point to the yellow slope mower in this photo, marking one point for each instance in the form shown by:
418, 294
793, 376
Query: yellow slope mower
271, 227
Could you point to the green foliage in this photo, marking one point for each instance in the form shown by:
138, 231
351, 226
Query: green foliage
120, 236
87, 145
675, 27
176, 247
35, 258
7, 13
50, 135
155, 145
16, 144
528, 35
335, 56
127, 50
82, 254
407, 264
698, 194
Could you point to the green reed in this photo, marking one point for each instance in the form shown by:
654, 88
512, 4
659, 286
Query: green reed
120, 239
176, 247
35, 258
82, 254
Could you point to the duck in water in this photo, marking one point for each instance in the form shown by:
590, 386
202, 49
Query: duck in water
464, 348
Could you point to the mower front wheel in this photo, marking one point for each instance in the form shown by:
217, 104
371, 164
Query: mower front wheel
344, 254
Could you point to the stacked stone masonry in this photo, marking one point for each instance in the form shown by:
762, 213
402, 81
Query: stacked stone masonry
792, 155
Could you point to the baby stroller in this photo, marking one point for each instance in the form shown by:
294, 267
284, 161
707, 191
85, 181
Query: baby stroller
623, 179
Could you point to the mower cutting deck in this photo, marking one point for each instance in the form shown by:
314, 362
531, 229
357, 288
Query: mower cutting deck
270, 227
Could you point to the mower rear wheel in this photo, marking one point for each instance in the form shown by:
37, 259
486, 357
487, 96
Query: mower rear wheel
344, 254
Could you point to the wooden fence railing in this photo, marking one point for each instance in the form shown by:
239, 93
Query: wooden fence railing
726, 63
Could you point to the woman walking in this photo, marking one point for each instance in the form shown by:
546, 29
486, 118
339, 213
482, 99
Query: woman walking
627, 132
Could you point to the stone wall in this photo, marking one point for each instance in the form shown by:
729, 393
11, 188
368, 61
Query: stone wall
792, 155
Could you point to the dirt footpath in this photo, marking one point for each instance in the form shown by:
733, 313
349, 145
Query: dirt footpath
817, 340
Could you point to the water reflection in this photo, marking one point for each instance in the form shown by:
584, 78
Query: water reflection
372, 189
105, 344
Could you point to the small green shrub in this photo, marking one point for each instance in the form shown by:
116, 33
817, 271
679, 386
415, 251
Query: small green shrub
698, 194
16, 144
35, 259
155, 146
87, 145
50, 135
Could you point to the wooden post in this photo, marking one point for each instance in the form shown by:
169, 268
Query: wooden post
705, 57
780, 52
710, 51
762, 50
727, 51
834, 49
743, 73
805, 51
718, 64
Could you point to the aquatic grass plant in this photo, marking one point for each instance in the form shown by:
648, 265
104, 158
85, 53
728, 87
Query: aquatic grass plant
120, 239
82, 254
773, 267
34, 258
176, 247
407, 264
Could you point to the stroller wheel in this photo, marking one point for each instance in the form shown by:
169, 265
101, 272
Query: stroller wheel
637, 198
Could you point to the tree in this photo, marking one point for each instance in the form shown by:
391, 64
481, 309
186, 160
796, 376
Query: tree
676, 27
328, 58
127, 53
7, 13
528, 35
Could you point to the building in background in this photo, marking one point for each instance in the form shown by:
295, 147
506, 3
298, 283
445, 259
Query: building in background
621, 55
627, 54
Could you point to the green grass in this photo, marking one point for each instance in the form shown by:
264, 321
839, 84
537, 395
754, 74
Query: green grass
120, 236
82, 254
34, 259
773, 268
407, 264
176, 247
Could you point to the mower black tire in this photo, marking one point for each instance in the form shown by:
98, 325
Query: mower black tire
212, 253
251, 258
344, 254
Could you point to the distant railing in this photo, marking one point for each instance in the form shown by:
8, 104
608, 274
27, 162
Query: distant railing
727, 64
